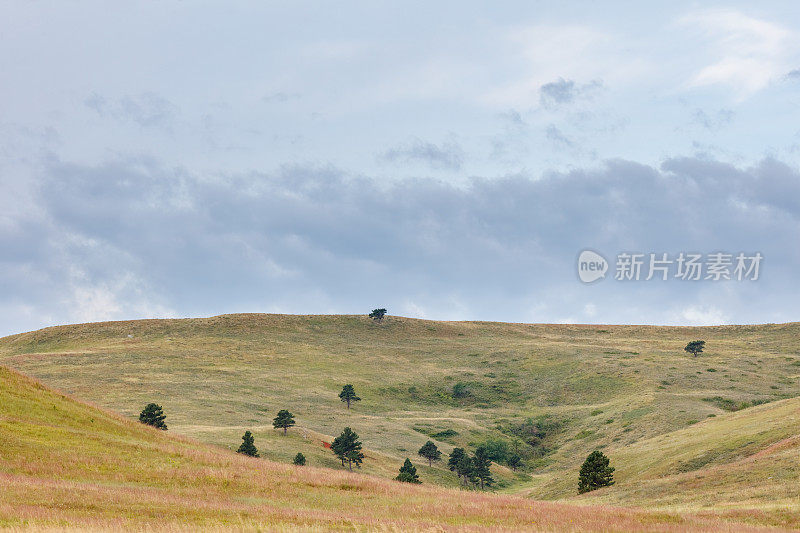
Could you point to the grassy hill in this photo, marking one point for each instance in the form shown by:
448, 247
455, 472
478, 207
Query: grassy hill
552, 392
67, 465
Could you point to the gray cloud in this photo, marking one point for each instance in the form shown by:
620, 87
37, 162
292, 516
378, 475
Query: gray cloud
146, 109
562, 91
557, 137
132, 238
713, 121
448, 155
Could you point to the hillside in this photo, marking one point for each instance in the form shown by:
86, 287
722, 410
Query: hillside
552, 392
64, 464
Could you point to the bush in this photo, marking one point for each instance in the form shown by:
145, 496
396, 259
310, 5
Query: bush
299, 459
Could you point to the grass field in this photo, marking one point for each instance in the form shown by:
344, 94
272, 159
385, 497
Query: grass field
65, 465
716, 433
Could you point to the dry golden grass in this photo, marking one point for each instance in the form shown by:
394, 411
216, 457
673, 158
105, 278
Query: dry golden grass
67, 466
628, 390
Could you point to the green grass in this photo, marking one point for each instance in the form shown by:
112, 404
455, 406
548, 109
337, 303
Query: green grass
220, 376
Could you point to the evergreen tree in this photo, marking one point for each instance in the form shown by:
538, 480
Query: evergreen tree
299, 459
430, 452
514, 461
348, 395
377, 314
595, 473
455, 457
408, 473
284, 420
465, 469
695, 347
347, 447
248, 447
480, 466
153, 415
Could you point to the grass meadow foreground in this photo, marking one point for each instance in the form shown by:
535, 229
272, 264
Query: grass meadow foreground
699, 443
67, 465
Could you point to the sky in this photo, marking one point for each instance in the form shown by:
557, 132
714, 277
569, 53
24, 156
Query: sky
444, 160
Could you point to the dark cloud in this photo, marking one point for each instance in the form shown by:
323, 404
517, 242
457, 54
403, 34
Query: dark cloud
448, 155
562, 91
132, 238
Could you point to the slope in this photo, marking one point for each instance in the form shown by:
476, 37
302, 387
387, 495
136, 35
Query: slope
553, 393
66, 465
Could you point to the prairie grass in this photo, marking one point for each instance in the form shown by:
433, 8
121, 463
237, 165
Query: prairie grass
629, 390
66, 466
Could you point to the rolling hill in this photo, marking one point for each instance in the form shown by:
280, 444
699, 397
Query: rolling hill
66, 465
687, 434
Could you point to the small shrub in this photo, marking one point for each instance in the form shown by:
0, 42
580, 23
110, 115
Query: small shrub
299, 459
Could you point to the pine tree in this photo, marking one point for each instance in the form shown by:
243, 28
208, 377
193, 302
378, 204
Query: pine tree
430, 452
480, 466
514, 461
695, 347
284, 420
455, 457
248, 447
377, 314
595, 473
408, 473
347, 447
348, 395
153, 415
465, 469
299, 459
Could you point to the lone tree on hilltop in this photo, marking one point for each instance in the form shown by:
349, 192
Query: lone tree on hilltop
153, 415
695, 347
299, 459
595, 473
248, 446
480, 466
430, 452
408, 473
283, 421
378, 314
348, 395
347, 447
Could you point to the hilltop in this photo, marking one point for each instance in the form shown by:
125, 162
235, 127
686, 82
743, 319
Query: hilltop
555, 392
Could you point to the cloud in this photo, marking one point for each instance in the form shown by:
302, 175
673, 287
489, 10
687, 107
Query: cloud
713, 121
133, 238
561, 92
448, 155
745, 53
148, 109
557, 137
280, 97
